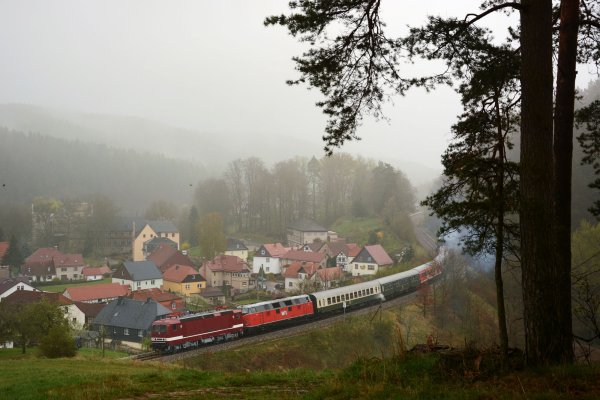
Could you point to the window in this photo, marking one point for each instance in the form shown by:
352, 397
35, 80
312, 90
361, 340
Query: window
371, 267
199, 285
291, 284
338, 299
63, 269
152, 282
187, 287
355, 266
141, 332
126, 331
268, 269
173, 305
144, 235
244, 283
139, 283
268, 259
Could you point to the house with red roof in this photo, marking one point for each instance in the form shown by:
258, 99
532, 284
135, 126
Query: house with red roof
169, 300
298, 275
95, 273
268, 257
165, 256
370, 259
303, 256
226, 270
327, 278
340, 254
68, 266
39, 266
81, 315
183, 279
100, 293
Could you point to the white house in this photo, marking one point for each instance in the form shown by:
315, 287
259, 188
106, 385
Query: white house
268, 256
10, 285
138, 275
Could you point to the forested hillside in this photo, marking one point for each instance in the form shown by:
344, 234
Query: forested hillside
33, 165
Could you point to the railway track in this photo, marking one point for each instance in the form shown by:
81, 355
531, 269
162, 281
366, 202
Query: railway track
277, 334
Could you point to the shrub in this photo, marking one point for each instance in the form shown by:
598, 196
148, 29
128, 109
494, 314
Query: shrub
58, 343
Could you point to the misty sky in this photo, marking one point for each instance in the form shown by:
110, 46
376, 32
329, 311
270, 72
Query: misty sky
207, 65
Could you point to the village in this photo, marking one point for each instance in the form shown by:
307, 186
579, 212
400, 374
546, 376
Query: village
115, 303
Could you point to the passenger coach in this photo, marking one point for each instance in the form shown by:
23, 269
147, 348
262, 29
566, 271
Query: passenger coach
335, 300
399, 284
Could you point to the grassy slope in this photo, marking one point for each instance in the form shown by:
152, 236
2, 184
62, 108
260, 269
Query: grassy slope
59, 288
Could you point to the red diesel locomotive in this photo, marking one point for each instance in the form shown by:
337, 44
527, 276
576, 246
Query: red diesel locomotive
172, 334
275, 313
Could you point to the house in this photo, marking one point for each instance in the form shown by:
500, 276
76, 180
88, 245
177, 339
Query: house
39, 266
171, 301
304, 256
81, 314
149, 231
183, 279
68, 266
138, 275
10, 285
237, 248
298, 274
128, 320
305, 231
314, 246
164, 256
268, 256
369, 260
151, 245
100, 293
340, 253
327, 278
95, 273
214, 295
226, 270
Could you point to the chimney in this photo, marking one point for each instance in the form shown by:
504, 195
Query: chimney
120, 300
148, 300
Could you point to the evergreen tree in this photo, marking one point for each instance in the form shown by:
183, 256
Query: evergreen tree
589, 117
13, 256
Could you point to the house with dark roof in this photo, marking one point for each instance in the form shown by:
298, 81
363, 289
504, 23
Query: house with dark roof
268, 257
305, 231
165, 256
226, 270
100, 293
214, 295
370, 259
10, 285
138, 275
236, 247
183, 279
128, 320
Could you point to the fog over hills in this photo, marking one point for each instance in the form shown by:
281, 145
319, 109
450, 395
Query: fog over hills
211, 149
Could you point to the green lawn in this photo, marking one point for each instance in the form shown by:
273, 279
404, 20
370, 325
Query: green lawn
60, 287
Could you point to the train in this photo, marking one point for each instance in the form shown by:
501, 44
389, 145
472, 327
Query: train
193, 330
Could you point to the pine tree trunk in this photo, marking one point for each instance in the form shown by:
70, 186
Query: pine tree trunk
563, 154
545, 324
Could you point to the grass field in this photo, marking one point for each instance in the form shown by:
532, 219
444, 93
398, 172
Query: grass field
60, 287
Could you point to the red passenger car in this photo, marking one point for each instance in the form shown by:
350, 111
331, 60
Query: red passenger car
172, 334
276, 313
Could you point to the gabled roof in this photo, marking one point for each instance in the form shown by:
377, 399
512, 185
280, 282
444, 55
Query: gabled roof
125, 224
162, 226
67, 260
38, 270
298, 267
29, 296
96, 292
182, 273
154, 294
3, 249
315, 246
89, 309
42, 256
308, 256
165, 256
235, 245
353, 249
158, 240
9, 283
91, 271
306, 225
138, 271
128, 313
329, 274
374, 253
273, 250
227, 264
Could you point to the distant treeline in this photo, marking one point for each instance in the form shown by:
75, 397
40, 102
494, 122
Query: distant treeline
255, 198
33, 165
